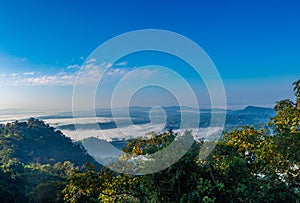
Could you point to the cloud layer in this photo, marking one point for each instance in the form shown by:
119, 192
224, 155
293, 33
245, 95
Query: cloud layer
73, 73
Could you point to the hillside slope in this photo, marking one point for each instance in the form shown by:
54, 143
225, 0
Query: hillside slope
36, 142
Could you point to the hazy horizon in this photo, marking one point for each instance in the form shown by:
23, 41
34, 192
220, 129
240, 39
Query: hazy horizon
207, 106
139, 121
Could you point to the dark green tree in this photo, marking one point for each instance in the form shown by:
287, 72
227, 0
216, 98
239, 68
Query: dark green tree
296, 85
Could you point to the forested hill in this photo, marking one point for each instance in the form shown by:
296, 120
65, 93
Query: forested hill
36, 142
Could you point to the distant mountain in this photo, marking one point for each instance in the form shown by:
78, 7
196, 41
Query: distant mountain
36, 142
104, 151
251, 115
256, 110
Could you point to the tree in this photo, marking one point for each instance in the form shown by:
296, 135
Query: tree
282, 104
297, 93
104, 185
34, 141
285, 145
168, 185
244, 161
49, 192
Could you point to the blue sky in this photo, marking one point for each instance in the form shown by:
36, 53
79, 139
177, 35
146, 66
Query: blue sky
254, 44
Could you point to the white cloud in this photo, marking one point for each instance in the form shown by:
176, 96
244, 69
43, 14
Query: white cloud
124, 63
74, 66
143, 73
116, 71
29, 73
60, 79
92, 60
13, 75
109, 65
89, 74
66, 77
126, 132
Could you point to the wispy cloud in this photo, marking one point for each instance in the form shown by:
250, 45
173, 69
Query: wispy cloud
124, 63
89, 74
74, 66
29, 73
143, 73
92, 60
14, 75
117, 71
60, 79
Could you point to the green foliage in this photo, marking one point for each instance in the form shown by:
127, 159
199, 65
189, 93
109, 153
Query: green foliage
296, 85
29, 171
36, 142
286, 143
48, 192
11, 188
242, 168
105, 185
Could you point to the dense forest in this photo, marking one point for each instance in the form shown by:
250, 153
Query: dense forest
40, 164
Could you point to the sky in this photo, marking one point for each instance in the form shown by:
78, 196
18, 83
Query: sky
255, 46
